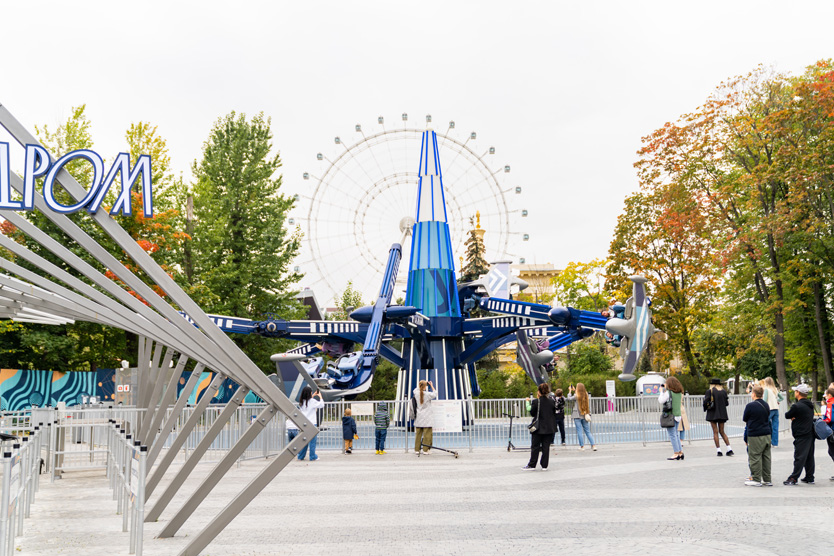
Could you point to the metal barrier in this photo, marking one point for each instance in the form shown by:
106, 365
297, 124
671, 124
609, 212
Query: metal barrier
126, 469
615, 421
20, 476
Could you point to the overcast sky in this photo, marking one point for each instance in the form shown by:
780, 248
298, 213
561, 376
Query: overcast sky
564, 91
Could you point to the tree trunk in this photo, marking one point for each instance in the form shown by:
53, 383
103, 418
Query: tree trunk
736, 383
821, 314
188, 262
779, 339
814, 384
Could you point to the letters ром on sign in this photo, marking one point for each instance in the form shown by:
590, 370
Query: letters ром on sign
38, 164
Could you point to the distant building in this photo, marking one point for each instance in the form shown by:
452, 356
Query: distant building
540, 280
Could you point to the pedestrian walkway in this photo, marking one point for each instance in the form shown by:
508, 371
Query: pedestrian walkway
619, 500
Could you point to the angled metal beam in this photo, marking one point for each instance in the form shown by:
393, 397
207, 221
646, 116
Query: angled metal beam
237, 505
159, 383
167, 399
159, 442
182, 436
196, 454
217, 473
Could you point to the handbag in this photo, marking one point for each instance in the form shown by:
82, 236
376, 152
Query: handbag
667, 419
709, 403
534, 426
588, 417
822, 430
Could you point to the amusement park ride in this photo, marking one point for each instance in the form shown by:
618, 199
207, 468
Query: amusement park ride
440, 341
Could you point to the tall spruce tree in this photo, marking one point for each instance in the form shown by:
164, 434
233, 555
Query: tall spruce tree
241, 246
476, 264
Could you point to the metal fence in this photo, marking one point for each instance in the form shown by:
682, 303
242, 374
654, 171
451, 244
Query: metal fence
20, 475
125, 462
78, 437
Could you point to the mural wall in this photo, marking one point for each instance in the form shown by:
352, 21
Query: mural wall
21, 389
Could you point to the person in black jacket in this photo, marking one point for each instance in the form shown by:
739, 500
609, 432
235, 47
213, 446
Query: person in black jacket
716, 401
543, 408
757, 417
801, 415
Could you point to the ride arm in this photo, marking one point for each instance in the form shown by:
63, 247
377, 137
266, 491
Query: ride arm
373, 339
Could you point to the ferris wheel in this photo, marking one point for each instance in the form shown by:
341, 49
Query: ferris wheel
362, 198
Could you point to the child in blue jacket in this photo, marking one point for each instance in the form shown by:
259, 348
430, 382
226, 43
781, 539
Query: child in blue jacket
348, 431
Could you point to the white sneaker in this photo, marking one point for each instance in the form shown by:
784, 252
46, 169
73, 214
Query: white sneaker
528, 468
544, 468
752, 483
594, 448
582, 448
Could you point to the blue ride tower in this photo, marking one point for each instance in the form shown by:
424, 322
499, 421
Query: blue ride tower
432, 286
436, 334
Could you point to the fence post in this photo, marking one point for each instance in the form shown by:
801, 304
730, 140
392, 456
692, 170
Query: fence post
6, 534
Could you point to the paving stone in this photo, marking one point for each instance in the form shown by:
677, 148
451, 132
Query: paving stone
622, 499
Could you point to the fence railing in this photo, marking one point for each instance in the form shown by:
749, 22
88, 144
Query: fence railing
20, 475
78, 437
126, 469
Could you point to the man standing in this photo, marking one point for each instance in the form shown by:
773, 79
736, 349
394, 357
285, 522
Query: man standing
801, 415
757, 417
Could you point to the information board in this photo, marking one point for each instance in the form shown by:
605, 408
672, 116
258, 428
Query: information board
364, 408
447, 416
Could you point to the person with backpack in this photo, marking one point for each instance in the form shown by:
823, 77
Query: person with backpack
757, 417
716, 402
423, 416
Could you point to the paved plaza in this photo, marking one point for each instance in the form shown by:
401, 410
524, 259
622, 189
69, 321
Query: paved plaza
624, 499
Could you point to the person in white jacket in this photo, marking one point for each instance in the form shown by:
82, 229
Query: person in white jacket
423, 419
309, 404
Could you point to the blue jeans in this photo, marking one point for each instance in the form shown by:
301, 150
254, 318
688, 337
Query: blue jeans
675, 437
292, 433
774, 427
380, 436
583, 426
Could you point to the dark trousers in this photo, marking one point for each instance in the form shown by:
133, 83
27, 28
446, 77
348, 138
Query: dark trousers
540, 443
560, 426
803, 457
830, 441
379, 437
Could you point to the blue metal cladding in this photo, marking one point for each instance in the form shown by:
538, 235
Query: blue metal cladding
432, 285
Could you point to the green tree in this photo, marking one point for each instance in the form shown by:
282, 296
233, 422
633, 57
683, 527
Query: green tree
242, 248
476, 264
588, 358
349, 300
583, 286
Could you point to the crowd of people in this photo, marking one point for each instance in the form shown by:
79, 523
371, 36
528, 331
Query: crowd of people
761, 419
761, 432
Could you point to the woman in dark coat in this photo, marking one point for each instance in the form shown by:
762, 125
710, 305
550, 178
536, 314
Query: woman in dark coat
716, 401
542, 438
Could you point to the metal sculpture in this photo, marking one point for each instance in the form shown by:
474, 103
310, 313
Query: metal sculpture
78, 289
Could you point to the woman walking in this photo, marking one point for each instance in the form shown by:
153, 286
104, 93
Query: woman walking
773, 398
581, 414
674, 391
716, 401
423, 419
543, 410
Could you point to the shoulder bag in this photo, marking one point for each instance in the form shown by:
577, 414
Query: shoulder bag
709, 403
667, 419
822, 430
534, 426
